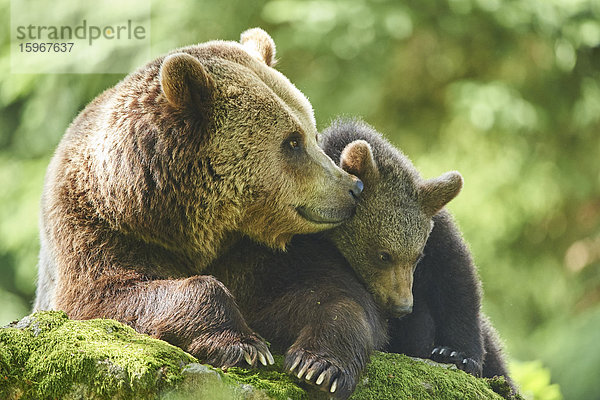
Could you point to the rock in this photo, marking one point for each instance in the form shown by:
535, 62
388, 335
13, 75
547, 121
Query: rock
48, 356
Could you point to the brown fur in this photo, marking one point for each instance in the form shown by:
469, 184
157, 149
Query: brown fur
262, 44
162, 173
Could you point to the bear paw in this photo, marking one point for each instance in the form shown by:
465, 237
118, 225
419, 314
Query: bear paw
228, 350
446, 355
321, 372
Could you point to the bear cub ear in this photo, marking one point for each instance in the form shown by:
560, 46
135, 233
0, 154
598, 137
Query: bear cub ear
184, 81
260, 45
357, 159
437, 192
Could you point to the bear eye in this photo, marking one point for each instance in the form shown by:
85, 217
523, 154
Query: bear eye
384, 256
294, 143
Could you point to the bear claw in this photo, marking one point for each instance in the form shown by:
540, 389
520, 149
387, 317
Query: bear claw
249, 349
333, 386
302, 371
247, 358
295, 363
262, 358
321, 378
447, 355
265, 357
321, 372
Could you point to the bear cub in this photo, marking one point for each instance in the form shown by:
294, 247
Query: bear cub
333, 298
444, 321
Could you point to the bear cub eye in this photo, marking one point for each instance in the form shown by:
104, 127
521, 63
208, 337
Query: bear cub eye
384, 257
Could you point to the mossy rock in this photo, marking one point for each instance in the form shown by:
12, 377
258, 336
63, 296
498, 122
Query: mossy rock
48, 356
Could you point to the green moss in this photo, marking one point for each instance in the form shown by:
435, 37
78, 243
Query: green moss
47, 356
395, 376
271, 380
388, 376
500, 386
204, 382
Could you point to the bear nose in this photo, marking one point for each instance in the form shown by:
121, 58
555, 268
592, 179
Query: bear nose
357, 188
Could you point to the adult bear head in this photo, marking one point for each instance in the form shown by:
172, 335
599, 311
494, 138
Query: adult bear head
212, 140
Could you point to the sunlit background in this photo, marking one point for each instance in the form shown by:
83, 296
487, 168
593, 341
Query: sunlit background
506, 92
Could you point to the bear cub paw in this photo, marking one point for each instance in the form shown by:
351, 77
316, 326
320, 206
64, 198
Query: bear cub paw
230, 349
446, 355
321, 372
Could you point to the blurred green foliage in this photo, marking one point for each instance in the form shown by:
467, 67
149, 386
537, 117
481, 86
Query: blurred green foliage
506, 92
534, 380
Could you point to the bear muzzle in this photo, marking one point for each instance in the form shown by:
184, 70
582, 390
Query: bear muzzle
399, 311
393, 291
325, 215
338, 213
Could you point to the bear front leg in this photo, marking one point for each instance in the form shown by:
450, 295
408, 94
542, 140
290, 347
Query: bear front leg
331, 351
456, 313
458, 336
197, 314
447, 279
202, 314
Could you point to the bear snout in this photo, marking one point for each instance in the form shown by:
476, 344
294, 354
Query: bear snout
337, 204
401, 310
331, 215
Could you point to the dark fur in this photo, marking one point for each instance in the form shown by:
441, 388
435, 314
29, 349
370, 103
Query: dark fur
310, 303
447, 311
447, 291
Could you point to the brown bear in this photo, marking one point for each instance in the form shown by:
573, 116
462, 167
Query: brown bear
160, 174
334, 297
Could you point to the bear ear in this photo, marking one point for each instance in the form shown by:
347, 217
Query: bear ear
260, 45
357, 159
437, 192
184, 80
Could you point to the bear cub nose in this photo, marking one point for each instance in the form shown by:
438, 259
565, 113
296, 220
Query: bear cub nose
357, 188
400, 311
